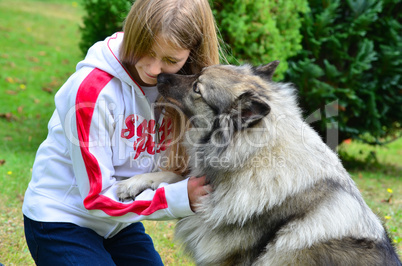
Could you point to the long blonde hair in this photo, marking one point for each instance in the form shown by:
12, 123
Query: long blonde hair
188, 24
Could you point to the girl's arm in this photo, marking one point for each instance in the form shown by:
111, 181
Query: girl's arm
83, 105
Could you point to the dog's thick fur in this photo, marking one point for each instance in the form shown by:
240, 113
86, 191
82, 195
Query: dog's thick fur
280, 195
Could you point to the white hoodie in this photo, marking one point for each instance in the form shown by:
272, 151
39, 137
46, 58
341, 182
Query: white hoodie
103, 130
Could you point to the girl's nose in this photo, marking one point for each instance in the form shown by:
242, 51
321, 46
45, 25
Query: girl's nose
155, 67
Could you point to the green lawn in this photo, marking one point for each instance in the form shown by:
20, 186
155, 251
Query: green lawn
38, 41
39, 50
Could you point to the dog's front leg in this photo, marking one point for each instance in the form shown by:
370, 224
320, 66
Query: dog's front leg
130, 188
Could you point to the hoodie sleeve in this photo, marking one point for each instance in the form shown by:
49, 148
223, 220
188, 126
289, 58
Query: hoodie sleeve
89, 127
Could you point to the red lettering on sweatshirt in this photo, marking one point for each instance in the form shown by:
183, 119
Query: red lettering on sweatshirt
150, 137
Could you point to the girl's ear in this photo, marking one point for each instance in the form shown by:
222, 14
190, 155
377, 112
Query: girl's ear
267, 71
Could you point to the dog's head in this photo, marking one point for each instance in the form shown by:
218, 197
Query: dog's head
220, 94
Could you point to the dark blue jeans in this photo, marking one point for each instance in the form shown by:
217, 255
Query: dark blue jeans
69, 244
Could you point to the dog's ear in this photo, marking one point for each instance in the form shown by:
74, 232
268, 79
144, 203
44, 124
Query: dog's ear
267, 71
249, 110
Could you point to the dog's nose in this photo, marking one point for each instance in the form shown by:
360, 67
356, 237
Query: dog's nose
163, 78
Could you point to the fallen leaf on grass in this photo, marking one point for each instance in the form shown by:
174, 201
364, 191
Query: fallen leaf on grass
33, 59
389, 200
20, 198
37, 68
8, 116
2, 162
10, 92
10, 80
8, 138
5, 29
48, 90
54, 83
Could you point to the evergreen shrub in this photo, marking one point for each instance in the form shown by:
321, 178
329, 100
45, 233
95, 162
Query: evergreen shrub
255, 32
260, 31
351, 63
102, 18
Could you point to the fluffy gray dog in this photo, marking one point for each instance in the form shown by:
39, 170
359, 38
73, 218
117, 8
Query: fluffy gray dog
280, 195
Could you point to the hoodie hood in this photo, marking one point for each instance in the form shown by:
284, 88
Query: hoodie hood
104, 55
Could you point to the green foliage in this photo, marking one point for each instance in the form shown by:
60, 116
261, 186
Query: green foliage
352, 58
102, 18
257, 32
260, 31
344, 55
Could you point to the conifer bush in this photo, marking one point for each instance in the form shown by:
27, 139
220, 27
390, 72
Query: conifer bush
352, 58
260, 31
255, 32
102, 18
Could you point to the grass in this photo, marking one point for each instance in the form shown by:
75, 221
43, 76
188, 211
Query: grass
377, 172
39, 50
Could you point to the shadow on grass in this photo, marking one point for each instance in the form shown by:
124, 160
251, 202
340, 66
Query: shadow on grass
369, 163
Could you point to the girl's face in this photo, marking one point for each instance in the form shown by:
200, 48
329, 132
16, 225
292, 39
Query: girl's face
163, 58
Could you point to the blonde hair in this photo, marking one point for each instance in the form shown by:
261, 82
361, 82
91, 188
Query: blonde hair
188, 24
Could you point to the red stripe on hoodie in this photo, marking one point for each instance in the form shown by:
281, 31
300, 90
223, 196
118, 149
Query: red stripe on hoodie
87, 95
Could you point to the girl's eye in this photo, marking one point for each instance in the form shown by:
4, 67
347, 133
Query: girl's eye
170, 61
195, 88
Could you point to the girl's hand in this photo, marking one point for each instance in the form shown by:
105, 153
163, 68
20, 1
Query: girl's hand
197, 188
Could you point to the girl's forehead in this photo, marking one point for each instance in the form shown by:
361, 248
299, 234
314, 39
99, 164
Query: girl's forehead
164, 47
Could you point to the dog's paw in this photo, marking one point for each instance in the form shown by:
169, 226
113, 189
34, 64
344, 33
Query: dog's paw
130, 188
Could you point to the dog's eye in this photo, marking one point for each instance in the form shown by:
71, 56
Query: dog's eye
195, 88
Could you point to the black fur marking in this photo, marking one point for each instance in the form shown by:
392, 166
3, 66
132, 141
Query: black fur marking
353, 251
308, 201
267, 238
248, 110
254, 251
219, 134
207, 138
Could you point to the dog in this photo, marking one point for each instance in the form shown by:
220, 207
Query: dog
280, 195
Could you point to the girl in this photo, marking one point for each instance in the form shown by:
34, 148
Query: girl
104, 130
